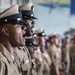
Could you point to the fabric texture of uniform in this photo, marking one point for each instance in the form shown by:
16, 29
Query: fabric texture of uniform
7, 65
24, 60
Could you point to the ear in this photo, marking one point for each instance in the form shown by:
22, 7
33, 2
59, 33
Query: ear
5, 31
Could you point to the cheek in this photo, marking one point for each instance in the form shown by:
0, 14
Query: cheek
18, 30
18, 33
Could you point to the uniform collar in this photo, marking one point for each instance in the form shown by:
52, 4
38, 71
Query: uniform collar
24, 48
21, 47
6, 53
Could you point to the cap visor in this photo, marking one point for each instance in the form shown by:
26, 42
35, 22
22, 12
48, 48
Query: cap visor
23, 22
29, 17
34, 17
18, 22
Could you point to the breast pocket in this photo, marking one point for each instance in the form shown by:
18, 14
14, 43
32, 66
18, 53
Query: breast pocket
25, 64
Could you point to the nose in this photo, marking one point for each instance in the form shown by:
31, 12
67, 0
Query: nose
33, 22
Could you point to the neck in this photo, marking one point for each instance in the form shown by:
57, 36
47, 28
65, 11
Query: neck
9, 47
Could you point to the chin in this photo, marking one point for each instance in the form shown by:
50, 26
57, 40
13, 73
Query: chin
22, 44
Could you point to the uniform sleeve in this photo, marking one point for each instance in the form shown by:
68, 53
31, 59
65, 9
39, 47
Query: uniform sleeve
49, 52
2, 68
52, 55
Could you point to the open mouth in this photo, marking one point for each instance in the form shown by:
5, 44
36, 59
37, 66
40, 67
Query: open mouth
24, 35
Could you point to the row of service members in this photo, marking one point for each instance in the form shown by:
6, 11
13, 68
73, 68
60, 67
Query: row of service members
12, 41
54, 58
15, 58
62, 57
68, 54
